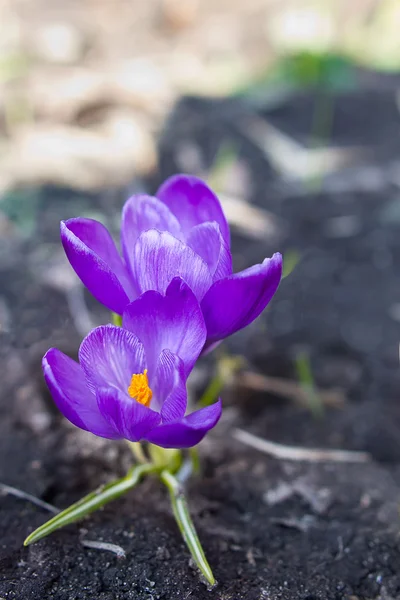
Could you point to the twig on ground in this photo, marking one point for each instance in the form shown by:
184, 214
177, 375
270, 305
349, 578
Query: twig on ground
303, 524
117, 550
12, 491
283, 452
287, 389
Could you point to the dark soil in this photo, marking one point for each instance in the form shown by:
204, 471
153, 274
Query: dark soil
271, 529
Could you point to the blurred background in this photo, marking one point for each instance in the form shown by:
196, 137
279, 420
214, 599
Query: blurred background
291, 111
85, 87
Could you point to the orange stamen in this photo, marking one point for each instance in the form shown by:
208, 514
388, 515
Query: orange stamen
139, 388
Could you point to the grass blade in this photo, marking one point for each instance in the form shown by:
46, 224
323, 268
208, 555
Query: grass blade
306, 379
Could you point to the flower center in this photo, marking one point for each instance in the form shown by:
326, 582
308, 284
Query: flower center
139, 388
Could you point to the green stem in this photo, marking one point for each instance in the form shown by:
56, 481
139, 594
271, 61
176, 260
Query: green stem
194, 456
92, 502
185, 524
138, 452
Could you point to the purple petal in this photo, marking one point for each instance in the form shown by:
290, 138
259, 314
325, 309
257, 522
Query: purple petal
169, 389
130, 419
206, 240
109, 356
187, 432
141, 213
234, 302
67, 384
193, 203
173, 322
95, 259
159, 257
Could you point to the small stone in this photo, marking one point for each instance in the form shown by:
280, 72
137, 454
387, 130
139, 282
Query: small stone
279, 494
162, 553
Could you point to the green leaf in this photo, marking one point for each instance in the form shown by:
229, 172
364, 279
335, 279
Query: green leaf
290, 261
181, 513
304, 372
92, 502
212, 391
116, 319
227, 368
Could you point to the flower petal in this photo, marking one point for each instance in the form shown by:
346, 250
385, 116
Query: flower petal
159, 257
206, 240
193, 202
109, 356
234, 302
130, 419
169, 389
141, 213
173, 322
187, 432
67, 384
95, 259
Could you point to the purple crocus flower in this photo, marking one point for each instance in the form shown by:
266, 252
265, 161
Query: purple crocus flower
180, 232
130, 381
